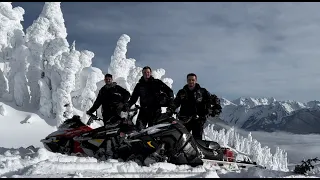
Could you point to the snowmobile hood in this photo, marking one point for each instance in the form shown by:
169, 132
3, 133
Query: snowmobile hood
151, 130
58, 132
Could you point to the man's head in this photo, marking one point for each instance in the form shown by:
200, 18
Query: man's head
146, 72
108, 78
191, 80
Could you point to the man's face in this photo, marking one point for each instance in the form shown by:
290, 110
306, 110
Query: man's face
146, 73
108, 80
191, 80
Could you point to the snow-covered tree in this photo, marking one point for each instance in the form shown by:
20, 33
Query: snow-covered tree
50, 79
10, 20
62, 97
3, 111
91, 76
120, 66
13, 51
4, 89
85, 61
124, 71
261, 155
20, 87
49, 25
133, 78
159, 73
60, 66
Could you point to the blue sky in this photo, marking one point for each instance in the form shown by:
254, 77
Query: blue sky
236, 49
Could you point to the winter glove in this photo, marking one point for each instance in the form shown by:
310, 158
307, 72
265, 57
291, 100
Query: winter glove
125, 107
89, 113
119, 107
169, 111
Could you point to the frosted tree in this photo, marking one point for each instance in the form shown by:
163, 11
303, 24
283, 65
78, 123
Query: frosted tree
120, 66
50, 79
124, 71
60, 66
62, 97
85, 61
10, 20
20, 85
159, 73
4, 89
90, 76
49, 25
249, 146
13, 51
133, 78
45, 98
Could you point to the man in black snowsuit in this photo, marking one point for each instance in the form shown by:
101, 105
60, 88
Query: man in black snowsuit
112, 97
194, 100
153, 94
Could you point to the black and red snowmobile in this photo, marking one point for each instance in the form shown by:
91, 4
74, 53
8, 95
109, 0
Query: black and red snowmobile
64, 139
167, 141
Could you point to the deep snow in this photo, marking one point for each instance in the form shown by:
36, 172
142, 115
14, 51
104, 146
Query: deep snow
20, 128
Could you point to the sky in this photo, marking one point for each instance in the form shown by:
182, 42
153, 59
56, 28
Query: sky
236, 49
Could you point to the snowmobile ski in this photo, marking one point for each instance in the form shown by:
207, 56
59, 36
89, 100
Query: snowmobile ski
238, 164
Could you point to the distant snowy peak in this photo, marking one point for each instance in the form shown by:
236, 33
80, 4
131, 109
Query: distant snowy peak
249, 102
291, 106
268, 114
313, 104
225, 102
252, 102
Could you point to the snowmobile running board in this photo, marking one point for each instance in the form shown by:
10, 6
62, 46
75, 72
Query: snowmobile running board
239, 164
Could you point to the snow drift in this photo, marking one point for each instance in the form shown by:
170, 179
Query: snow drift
39, 163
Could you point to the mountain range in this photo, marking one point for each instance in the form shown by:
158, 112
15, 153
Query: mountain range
269, 114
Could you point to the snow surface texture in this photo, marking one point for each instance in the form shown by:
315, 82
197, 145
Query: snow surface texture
16, 161
268, 114
35, 163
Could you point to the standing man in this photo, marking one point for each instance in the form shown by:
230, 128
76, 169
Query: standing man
153, 93
112, 97
194, 100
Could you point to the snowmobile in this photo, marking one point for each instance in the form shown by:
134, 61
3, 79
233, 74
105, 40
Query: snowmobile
167, 141
63, 140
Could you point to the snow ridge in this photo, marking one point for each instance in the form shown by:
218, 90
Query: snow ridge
266, 114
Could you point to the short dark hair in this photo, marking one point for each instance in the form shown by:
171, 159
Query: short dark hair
146, 67
192, 74
108, 75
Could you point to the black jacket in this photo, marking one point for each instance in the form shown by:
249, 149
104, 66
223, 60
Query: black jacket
150, 93
110, 96
192, 102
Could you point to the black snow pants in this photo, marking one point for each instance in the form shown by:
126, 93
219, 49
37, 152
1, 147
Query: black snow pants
196, 126
147, 116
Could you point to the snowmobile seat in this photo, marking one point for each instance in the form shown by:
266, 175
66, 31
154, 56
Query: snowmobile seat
209, 145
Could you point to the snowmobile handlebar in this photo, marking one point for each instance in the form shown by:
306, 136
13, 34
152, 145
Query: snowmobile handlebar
186, 119
93, 118
135, 109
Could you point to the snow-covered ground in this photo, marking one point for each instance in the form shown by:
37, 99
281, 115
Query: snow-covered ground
21, 128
